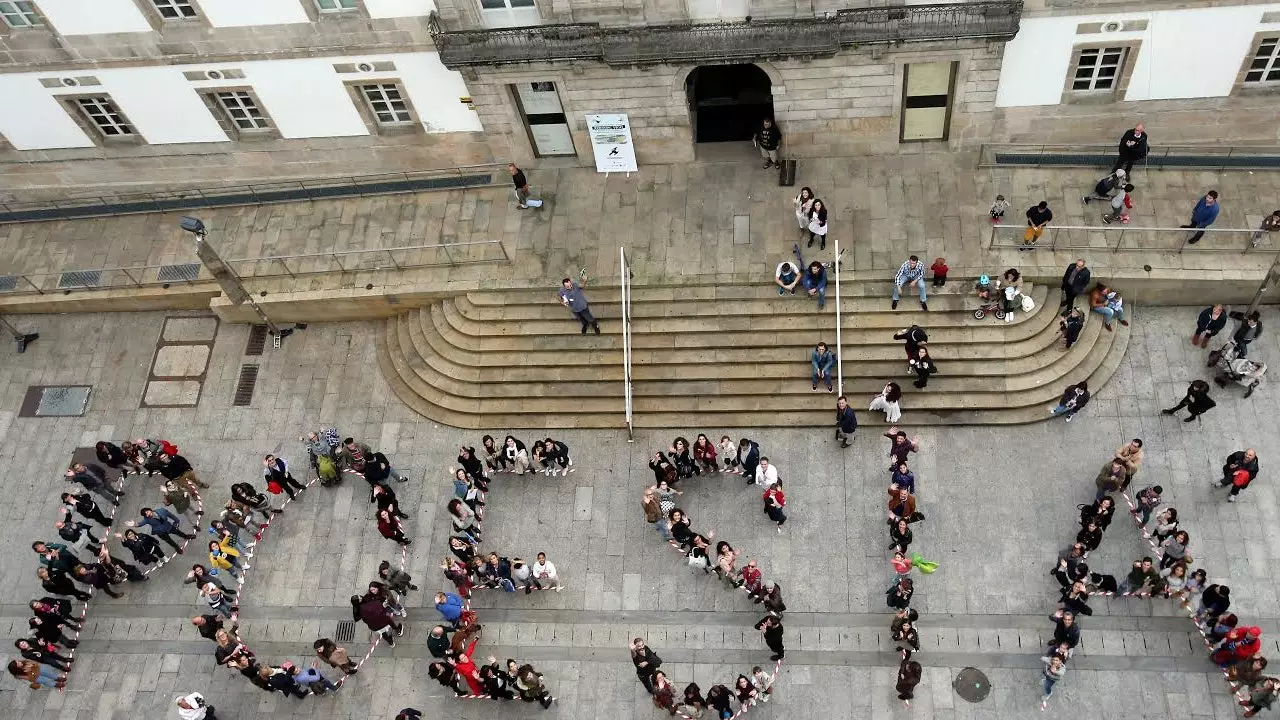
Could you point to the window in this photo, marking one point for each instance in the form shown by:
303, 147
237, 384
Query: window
19, 14
1099, 69
242, 109
336, 5
174, 9
505, 4
509, 13
1265, 65
387, 103
105, 116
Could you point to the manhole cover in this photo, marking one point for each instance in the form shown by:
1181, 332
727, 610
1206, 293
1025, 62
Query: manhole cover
345, 632
972, 685
55, 401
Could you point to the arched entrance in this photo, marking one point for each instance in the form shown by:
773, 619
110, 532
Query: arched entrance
727, 102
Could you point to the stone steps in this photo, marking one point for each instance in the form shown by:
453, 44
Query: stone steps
507, 359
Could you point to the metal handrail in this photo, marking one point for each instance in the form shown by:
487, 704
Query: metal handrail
266, 266
114, 204
628, 401
1100, 237
1156, 156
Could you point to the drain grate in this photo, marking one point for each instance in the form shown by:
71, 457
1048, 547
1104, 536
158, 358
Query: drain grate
8, 283
245, 385
55, 401
257, 340
80, 279
176, 273
345, 633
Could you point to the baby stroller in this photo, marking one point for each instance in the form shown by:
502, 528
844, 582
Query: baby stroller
1234, 369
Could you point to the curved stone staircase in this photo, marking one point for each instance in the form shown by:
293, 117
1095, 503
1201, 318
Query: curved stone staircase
728, 356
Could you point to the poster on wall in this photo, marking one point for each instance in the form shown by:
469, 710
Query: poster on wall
611, 143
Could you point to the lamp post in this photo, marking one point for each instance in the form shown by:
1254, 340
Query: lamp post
21, 339
227, 278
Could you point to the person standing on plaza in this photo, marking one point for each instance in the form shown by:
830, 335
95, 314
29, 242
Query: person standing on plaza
768, 139
1120, 203
1074, 282
1245, 461
374, 611
1038, 218
79, 534
275, 470
1133, 147
1248, 331
573, 297
334, 654
389, 527
823, 362
1270, 224
1131, 455
1110, 479
766, 473
58, 583
1203, 215
646, 662
1054, 670
524, 202
910, 272
1147, 500
817, 224
653, 514
803, 203
770, 626
774, 502
544, 573
909, 674
1261, 697
1209, 323
37, 675
94, 479
176, 468
1196, 401
846, 421
748, 458
85, 505
704, 454
163, 525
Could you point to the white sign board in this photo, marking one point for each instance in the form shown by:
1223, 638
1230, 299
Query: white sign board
611, 143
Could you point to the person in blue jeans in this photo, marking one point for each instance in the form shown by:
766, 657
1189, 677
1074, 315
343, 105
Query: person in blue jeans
36, 674
786, 277
911, 272
823, 361
815, 282
1203, 215
1054, 669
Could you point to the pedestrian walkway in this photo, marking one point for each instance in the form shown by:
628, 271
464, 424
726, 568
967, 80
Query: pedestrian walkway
726, 220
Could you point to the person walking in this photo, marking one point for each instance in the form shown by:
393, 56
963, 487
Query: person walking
803, 203
846, 421
770, 626
573, 297
1203, 215
1038, 218
646, 662
1133, 147
910, 272
1248, 331
1240, 468
923, 367
1196, 401
768, 138
909, 674
1208, 324
823, 362
523, 192
1074, 281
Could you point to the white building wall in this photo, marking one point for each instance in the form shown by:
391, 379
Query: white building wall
399, 8
1193, 53
93, 17
305, 98
238, 13
31, 119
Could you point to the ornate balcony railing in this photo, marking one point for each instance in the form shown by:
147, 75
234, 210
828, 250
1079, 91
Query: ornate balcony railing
733, 41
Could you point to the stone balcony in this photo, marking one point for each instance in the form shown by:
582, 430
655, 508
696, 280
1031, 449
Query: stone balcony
995, 20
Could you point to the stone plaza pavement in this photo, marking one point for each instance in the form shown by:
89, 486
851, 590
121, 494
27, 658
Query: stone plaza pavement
1000, 503
676, 221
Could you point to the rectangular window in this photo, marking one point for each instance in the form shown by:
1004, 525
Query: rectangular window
1099, 69
242, 109
505, 4
336, 5
387, 103
105, 116
19, 14
1265, 65
174, 9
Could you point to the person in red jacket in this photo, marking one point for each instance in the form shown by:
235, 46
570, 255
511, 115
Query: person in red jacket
1240, 644
466, 668
774, 502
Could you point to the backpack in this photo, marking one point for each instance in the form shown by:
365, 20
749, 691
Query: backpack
327, 470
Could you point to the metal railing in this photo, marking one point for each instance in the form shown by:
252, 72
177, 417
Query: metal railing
1212, 157
625, 271
302, 264
757, 39
125, 203
1128, 238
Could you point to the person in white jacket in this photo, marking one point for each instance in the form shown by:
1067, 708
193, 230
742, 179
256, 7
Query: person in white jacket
193, 707
766, 473
544, 574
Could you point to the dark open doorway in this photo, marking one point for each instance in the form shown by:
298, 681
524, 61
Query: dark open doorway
727, 102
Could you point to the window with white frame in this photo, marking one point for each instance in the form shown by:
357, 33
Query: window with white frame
19, 14
105, 116
387, 103
242, 109
1098, 69
715, 10
336, 5
1264, 67
175, 9
509, 13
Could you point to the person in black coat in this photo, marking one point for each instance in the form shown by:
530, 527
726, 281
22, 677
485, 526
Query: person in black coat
1065, 629
144, 548
1074, 282
1209, 323
1196, 401
1133, 147
1249, 330
771, 627
748, 458
915, 336
923, 367
646, 661
846, 421
110, 455
909, 674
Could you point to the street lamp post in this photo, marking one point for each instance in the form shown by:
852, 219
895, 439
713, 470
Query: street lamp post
227, 278
21, 339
